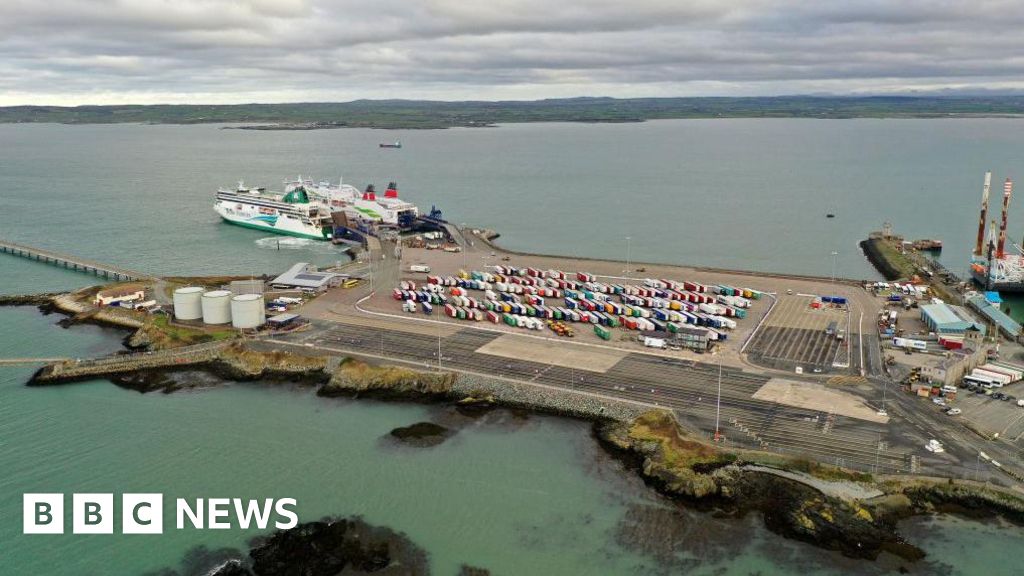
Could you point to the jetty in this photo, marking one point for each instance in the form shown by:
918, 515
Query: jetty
78, 369
20, 361
73, 262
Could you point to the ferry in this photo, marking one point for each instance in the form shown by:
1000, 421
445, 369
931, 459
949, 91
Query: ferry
389, 210
313, 210
292, 213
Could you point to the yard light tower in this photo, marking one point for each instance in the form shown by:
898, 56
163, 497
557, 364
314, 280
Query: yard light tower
628, 252
718, 404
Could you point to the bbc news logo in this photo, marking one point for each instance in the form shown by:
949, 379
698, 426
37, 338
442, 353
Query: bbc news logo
144, 513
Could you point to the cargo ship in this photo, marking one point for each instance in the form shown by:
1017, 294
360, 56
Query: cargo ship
291, 213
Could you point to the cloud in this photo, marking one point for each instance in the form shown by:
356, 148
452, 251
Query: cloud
147, 51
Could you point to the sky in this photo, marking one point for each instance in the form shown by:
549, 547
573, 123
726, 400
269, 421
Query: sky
72, 52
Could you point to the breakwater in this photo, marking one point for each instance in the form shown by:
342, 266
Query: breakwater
878, 259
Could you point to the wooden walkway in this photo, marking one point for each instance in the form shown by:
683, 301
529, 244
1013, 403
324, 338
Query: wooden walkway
72, 262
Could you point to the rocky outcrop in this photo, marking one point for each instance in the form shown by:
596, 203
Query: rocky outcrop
707, 477
326, 548
42, 299
355, 378
422, 434
967, 498
238, 362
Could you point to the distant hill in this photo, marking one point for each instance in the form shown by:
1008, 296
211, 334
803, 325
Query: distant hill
435, 114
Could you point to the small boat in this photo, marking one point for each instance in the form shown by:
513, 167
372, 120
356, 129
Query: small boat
830, 215
395, 144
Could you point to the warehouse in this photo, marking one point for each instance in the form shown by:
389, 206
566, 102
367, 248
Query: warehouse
985, 306
305, 276
946, 319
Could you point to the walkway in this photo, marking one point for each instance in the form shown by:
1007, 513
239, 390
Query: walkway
72, 262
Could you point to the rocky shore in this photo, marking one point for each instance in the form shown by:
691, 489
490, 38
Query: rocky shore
736, 483
797, 499
329, 546
41, 299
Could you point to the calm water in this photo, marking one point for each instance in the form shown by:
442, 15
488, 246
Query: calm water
534, 497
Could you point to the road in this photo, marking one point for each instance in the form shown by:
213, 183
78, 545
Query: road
688, 388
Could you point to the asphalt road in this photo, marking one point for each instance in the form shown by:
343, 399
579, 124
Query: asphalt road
688, 388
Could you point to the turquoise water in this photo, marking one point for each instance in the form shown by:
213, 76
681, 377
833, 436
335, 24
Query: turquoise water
517, 497
533, 496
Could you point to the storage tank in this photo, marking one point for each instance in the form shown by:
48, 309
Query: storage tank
187, 303
217, 307
248, 311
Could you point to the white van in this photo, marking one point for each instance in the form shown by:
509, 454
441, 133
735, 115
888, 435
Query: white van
949, 389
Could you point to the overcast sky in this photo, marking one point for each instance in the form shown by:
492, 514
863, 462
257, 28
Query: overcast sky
223, 51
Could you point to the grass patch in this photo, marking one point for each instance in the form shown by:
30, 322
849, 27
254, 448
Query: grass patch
163, 334
824, 471
677, 452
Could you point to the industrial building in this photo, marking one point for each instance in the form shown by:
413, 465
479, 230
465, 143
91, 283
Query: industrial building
959, 362
305, 276
945, 319
117, 296
991, 312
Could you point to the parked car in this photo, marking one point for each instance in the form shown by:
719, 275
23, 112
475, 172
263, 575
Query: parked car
939, 401
953, 411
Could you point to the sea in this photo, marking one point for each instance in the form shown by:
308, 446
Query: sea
514, 494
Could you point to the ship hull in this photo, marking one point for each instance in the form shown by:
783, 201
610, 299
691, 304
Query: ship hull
278, 224
998, 285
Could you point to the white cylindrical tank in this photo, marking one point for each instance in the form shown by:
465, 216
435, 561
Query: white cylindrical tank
188, 303
248, 311
217, 307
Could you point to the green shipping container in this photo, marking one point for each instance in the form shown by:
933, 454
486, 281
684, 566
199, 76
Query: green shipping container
673, 327
462, 314
603, 332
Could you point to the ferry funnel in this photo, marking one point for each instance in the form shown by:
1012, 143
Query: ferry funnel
370, 193
392, 191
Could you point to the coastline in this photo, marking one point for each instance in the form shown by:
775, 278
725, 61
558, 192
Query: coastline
806, 505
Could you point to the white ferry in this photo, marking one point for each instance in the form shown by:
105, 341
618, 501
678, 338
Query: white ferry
292, 213
390, 210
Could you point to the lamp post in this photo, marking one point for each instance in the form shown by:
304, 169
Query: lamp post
718, 403
628, 252
834, 255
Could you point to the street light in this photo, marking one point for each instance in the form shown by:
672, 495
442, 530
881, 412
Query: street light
628, 249
465, 244
834, 254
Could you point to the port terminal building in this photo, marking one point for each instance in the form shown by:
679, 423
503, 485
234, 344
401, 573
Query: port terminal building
942, 318
305, 276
